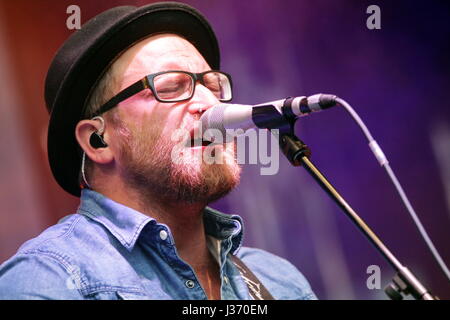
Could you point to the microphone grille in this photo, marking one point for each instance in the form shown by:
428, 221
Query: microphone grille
213, 118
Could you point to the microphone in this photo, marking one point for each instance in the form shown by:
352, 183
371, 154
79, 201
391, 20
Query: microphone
231, 117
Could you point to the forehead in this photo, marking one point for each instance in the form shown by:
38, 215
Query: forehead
158, 53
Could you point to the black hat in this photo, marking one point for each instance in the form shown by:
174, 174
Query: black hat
87, 53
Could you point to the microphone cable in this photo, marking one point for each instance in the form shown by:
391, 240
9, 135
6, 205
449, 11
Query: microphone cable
382, 159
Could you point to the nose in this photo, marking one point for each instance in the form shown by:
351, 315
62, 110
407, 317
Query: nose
202, 100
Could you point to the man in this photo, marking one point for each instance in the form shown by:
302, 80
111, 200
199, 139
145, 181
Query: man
118, 90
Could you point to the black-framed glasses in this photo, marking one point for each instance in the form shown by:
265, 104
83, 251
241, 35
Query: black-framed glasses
175, 86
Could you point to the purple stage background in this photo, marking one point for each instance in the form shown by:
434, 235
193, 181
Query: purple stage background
397, 79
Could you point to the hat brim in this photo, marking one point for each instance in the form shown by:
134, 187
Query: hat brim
129, 27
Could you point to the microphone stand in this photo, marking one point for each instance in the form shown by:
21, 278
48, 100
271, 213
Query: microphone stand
298, 153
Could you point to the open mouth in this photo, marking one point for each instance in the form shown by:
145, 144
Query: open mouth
197, 143
197, 140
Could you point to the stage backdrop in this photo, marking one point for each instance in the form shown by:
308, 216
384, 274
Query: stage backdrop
396, 77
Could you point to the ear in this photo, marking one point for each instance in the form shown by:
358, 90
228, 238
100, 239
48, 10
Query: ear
83, 132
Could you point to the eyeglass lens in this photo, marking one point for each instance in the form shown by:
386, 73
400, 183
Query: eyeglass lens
175, 86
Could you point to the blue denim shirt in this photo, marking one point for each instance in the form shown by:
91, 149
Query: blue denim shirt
109, 251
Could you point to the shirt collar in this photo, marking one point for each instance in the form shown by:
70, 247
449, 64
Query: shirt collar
126, 224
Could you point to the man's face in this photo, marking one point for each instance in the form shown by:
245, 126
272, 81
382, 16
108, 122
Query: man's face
144, 140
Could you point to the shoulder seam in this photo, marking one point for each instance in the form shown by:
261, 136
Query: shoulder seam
62, 261
64, 233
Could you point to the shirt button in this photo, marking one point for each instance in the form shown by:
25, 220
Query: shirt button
163, 234
225, 279
190, 284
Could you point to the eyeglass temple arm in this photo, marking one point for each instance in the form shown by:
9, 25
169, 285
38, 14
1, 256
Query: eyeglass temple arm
123, 95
